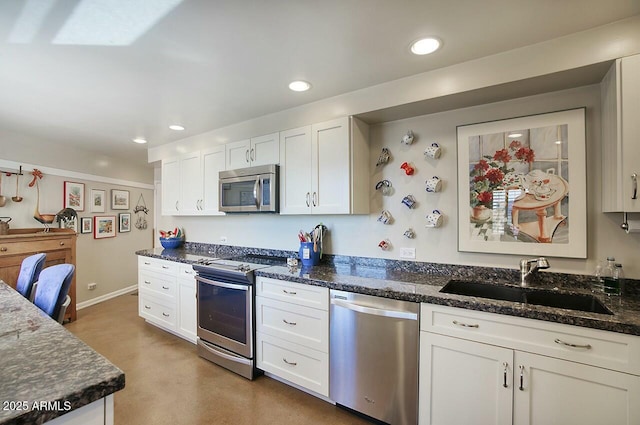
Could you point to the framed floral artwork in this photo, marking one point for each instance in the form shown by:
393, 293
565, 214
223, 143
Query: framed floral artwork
119, 199
86, 225
104, 226
97, 200
522, 185
74, 195
124, 222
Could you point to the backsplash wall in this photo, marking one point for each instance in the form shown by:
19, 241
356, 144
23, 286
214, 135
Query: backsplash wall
360, 235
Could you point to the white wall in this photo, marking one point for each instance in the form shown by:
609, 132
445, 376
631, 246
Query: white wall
359, 235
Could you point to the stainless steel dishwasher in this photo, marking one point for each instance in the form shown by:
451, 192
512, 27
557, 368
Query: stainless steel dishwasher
373, 356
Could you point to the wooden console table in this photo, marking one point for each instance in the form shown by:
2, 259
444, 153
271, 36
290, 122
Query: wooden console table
58, 244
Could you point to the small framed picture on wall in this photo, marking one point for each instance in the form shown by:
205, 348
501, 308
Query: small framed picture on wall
124, 222
74, 195
119, 199
86, 225
104, 226
97, 200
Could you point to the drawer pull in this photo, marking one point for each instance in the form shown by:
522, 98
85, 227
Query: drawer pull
3, 249
147, 264
165, 267
506, 366
61, 243
289, 363
465, 325
147, 282
521, 378
568, 344
165, 287
165, 314
147, 307
289, 323
289, 292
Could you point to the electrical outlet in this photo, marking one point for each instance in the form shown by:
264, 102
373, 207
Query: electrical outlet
92, 286
223, 239
407, 253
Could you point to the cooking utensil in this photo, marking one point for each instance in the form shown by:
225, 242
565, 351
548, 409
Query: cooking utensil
3, 199
17, 198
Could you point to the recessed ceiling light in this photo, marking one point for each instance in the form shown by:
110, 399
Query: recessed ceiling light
176, 127
424, 46
512, 135
139, 140
299, 85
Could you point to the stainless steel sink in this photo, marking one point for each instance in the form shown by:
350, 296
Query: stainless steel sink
580, 302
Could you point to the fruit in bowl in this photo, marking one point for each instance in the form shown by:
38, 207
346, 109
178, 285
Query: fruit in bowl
171, 239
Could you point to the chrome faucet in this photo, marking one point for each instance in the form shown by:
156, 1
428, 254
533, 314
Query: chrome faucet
528, 267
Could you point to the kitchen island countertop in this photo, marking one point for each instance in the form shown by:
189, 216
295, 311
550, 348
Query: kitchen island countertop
45, 371
407, 285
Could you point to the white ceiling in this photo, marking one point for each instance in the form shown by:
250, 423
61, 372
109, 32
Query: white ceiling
97, 73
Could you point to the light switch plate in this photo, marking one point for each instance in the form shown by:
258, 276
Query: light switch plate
409, 253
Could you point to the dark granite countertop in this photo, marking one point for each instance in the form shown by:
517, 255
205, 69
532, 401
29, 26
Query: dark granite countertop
422, 282
40, 361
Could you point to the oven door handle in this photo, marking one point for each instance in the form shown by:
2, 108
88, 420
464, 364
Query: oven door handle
222, 284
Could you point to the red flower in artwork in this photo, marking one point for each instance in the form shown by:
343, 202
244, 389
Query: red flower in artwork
485, 197
495, 175
479, 178
516, 144
502, 155
525, 154
482, 165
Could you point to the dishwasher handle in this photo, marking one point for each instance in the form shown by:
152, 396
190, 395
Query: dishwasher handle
375, 311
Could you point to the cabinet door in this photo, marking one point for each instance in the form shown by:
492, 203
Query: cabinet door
630, 72
170, 186
265, 149
463, 382
190, 184
295, 171
559, 392
187, 311
331, 167
213, 161
238, 154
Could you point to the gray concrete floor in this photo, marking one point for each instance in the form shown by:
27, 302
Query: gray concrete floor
167, 383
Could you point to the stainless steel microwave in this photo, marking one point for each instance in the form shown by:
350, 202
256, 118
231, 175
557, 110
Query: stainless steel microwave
253, 189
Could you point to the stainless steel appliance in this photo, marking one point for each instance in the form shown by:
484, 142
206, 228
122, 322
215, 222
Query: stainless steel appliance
253, 189
373, 356
226, 314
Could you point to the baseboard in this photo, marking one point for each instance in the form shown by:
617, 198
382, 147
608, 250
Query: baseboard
106, 297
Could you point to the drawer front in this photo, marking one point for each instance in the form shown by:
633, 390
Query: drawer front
186, 271
158, 283
156, 310
610, 350
301, 325
293, 292
155, 264
295, 363
27, 247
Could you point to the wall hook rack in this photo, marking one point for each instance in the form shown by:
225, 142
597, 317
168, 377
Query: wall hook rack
12, 172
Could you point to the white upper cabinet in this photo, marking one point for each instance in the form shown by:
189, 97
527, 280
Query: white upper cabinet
620, 99
324, 168
190, 182
261, 150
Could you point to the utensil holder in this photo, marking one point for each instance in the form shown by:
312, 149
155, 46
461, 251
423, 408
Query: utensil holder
307, 256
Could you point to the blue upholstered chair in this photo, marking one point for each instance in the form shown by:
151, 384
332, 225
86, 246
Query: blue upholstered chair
52, 290
29, 272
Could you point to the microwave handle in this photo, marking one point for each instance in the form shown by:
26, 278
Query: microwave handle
256, 193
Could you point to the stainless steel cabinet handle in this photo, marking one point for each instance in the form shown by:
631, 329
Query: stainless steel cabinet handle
289, 363
165, 314
465, 325
634, 186
308, 199
568, 344
176, 205
165, 267
147, 264
147, 282
315, 199
521, 388
252, 156
506, 366
246, 155
289, 323
289, 292
147, 307
165, 287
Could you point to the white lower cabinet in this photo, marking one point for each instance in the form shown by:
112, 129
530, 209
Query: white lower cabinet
292, 338
470, 373
166, 298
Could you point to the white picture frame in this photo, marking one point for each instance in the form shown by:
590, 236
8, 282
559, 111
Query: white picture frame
98, 200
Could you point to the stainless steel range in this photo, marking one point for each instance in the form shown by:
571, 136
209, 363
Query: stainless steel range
226, 313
